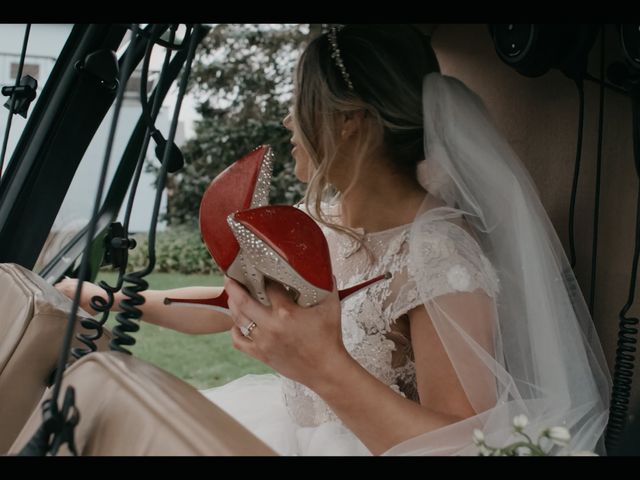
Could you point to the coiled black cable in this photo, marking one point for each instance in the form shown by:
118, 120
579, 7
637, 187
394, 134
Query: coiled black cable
133, 298
625, 356
57, 428
98, 303
627, 326
129, 312
84, 265
89, 324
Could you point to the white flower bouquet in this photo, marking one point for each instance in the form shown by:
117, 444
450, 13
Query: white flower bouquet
547, 439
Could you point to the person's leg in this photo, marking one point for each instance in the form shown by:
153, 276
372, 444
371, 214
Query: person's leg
130, 407
32, 325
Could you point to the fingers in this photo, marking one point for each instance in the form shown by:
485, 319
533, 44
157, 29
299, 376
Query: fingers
244, 309
241, 303
244, 323
277, 293
245, 344
66, 286
239, 340
270, 321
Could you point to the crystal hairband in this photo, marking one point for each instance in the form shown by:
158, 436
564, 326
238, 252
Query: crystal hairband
335, 54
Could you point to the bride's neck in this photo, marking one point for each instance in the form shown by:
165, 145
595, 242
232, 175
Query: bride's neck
381, 199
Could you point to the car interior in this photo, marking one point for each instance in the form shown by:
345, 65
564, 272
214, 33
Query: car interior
566, 97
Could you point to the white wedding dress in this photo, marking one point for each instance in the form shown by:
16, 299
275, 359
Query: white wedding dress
291, 418
498, 289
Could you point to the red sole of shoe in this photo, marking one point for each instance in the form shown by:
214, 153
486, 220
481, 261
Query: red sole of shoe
234, 189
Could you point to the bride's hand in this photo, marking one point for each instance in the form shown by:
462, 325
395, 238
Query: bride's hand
67, 287
303, 344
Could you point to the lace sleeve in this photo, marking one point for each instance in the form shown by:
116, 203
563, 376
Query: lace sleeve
444, 258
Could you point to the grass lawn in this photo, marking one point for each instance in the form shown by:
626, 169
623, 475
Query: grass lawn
201, 360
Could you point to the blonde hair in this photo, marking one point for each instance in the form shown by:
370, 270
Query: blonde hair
386, 65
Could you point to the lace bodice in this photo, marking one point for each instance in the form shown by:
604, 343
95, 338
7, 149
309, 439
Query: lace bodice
375, 326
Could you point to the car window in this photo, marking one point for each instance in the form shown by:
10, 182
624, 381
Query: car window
45, 43
43, 48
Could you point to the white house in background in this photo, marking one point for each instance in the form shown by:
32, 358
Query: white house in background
45, 43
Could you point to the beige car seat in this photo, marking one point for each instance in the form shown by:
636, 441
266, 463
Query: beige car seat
129, 407
33, 318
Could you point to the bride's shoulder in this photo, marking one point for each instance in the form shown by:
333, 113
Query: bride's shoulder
437, 214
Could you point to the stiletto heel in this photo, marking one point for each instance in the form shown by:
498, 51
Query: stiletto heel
243, 184
218, 303
285, 244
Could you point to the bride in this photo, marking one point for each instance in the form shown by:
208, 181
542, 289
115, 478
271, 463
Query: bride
482, 319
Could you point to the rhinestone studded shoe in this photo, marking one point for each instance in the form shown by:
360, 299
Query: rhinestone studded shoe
242, 185
285, 244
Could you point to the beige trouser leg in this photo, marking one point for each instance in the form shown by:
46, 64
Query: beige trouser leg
130, 407
33, 318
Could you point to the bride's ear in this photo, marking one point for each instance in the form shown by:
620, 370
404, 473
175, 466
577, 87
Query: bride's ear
352, 122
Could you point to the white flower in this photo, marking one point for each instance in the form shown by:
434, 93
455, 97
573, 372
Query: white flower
559, 435
478, 436
459, 278
482, 450
520, 421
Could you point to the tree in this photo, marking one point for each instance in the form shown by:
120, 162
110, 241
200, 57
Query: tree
242, 80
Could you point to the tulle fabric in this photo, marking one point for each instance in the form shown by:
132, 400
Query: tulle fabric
526, 345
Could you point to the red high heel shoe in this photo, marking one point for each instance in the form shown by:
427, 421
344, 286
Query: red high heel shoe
285, 244
230, 194
243, 184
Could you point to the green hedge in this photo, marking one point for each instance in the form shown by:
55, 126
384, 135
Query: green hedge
178, 250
